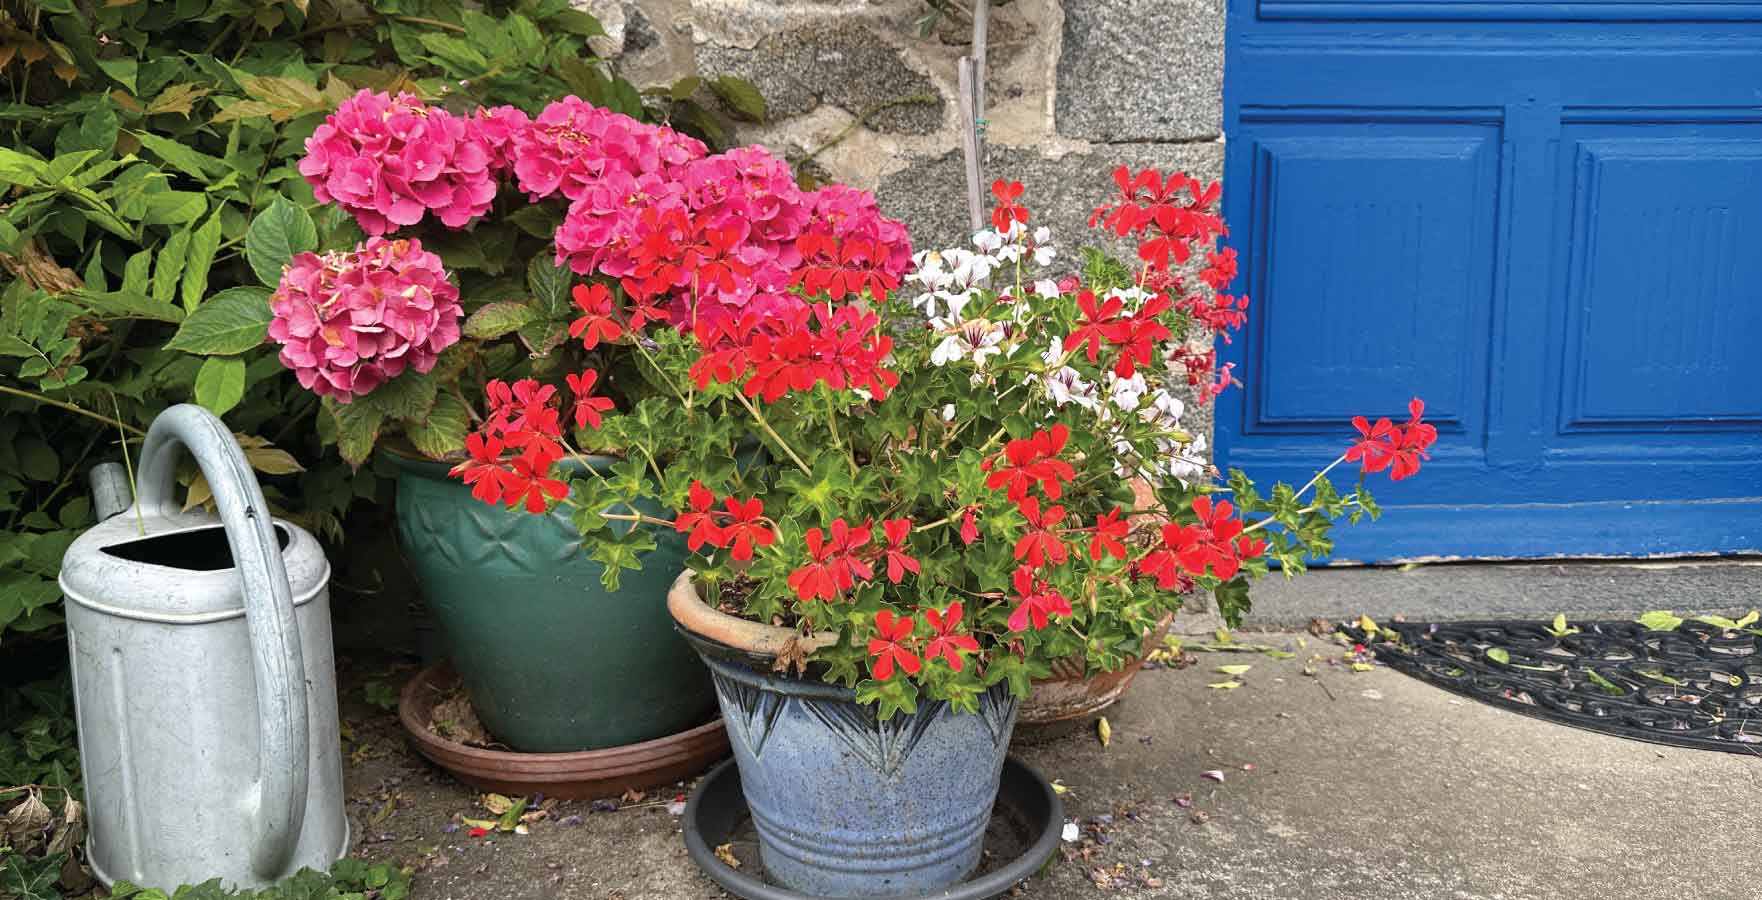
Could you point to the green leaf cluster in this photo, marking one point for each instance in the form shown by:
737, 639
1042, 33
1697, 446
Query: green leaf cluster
149, 163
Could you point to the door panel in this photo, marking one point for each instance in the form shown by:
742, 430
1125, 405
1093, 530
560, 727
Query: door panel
1546, 220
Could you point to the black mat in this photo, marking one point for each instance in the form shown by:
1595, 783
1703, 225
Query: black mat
1696, 685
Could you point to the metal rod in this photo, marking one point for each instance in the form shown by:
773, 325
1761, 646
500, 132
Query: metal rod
970, 144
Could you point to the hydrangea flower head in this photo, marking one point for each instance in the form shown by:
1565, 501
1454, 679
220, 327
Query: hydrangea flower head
350, 321
389, 161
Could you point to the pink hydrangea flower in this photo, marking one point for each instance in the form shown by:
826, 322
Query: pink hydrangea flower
348, 322
389, 161
573, 144
498, 128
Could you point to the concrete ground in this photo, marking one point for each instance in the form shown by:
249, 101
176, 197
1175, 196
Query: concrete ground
1341, 785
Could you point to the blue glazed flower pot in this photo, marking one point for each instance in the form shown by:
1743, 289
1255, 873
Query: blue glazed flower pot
846, 805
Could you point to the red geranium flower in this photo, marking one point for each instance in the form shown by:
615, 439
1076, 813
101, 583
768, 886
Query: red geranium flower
529, 480
1008, 210
597, 324
1375, 448
898, 531
835, 567
1041, 542
1039, 602
889, 646
1032, 459
969, 527
1137, 336
1416, 438
746, 528
1208, 544
483, 471
1109, 528
699, 522
947, 643
587, 406
1100, 322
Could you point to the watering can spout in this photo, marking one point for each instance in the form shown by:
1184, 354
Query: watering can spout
110, 489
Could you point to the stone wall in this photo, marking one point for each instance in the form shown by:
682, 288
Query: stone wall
1074, 88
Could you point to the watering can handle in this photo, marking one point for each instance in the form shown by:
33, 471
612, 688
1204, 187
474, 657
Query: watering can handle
282, 748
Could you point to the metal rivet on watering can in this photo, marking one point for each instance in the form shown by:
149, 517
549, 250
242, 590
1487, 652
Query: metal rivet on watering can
204, 683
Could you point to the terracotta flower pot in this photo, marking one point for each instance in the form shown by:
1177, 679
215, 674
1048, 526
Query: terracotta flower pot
846, 805
581, 775
1071, 696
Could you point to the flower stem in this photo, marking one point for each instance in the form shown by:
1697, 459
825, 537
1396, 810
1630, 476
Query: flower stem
759, 417
59, 404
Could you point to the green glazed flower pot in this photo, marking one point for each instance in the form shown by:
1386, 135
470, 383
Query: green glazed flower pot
552, 660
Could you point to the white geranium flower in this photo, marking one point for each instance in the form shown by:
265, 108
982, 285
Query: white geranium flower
1055, 352
1043, 252
948, 413
1066, 386
976, 339
1126, 393
988, 241
1165, 409
928, 269
1046, 287
1186, 464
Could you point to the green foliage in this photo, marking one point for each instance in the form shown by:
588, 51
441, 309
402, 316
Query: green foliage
149, 163
349, 879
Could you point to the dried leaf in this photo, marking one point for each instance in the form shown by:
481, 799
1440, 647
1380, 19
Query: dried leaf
1225, 685
22, 825
1059, 788
725, 853
1103, 731
791, 655
1233, 670
496, 803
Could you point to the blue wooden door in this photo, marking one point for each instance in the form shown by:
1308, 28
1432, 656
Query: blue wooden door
1543, 218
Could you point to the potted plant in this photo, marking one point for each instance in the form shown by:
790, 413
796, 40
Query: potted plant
397, 344
945, 508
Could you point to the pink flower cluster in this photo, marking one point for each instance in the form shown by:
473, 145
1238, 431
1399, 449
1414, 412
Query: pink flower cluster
708, 237
348, 322
389, 161
716, 236
573, 146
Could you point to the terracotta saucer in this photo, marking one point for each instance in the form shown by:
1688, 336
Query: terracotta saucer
583, 775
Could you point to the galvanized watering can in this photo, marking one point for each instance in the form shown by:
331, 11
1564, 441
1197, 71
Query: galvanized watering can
203, 677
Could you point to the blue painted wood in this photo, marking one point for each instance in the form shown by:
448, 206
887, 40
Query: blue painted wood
1544, 218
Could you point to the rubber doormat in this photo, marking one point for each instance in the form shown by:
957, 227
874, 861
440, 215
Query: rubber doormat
1698, 684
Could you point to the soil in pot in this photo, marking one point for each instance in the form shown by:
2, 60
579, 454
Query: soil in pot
846, 805
553, 661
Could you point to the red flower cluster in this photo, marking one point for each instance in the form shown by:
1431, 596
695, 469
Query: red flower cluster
893, 646
1398, 448
1174, 218
511, 456
837, 564
796, 351
1029, 461
1214, 543
1153, 207
738, 525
